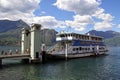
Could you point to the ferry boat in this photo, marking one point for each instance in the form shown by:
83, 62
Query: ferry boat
74, 45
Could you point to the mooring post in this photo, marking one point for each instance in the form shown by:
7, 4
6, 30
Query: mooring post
0, 62
43, 53
43, 56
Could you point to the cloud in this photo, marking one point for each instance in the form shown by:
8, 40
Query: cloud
103, 25
81, 7
18, 9
103, 16
106, 22
24, 9
80, 22
118, 26
49, 22
76, 26
83, 19
85, 11
43, 12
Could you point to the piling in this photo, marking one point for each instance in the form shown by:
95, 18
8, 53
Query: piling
43, 53
0, 62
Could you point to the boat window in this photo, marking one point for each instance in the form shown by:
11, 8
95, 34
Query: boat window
62, 35
77, 49
69, 35
66, 35
88, 48
73, 49
80, 48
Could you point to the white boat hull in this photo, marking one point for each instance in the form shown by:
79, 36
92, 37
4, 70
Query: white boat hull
77, 55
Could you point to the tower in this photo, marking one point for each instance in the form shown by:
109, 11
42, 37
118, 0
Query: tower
35, 42
25, 42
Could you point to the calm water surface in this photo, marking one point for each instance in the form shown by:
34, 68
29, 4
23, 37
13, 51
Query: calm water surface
93, 68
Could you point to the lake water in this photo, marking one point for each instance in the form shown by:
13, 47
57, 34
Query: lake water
92, 68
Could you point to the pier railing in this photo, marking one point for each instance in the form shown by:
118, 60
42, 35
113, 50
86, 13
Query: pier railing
52, 48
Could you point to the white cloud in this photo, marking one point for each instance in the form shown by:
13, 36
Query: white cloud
103, 25
106, 22
83, 19
80, 22
76, 26
43, 12
49, 22
84, 11
104, 16
18, 9
81, 7
118, 26
91, 8
24, 9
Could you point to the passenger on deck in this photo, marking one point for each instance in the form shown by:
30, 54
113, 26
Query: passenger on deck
5, 53
16, 51
27, 51
10, 52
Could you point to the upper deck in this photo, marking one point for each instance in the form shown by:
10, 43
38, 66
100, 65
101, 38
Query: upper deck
75, 36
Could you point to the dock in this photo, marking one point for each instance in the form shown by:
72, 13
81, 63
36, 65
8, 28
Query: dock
21, 56
31, 45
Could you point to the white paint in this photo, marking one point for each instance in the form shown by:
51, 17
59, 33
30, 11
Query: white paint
25, 42
66, 51
64, 38
35, 41
58, 39
97, 48
43, 47
91, 48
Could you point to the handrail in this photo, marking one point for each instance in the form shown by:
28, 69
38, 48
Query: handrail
52, 47
63, 51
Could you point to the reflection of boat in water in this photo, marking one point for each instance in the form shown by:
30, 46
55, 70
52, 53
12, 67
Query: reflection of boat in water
73, 45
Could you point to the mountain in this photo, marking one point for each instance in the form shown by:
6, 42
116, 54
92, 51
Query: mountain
105, 34
6, 25
10, 33
115, 41
112, 38
11, 37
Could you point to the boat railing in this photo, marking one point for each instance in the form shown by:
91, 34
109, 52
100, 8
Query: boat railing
55, 49
63, 51
52, 47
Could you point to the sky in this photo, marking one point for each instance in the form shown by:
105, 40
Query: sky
69, 15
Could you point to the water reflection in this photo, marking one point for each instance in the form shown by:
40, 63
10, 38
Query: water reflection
83, 69
93, 68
